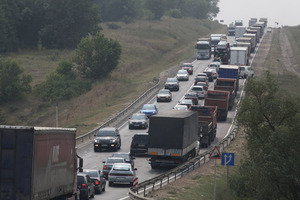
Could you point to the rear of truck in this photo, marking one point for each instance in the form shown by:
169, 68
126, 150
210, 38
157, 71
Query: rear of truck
37, 163
227, 84
230, 71
173, 138
221, 100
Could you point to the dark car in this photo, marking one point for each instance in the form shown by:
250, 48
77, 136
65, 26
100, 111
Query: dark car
126, 155
109, 163
85, 186
172, 84
139, 144
200, 79
187, 102
188, 67
97, 178
107, 138
138, 120
193, 96
164, 95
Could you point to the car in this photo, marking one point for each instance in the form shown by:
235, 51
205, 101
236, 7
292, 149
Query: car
97, 178
201, 79
246, 71
107, 138
172, 84
215, 65
164, 95
139, 144
121, 173
188, 67
180, 107
269, 30
193, 96
85, 186
182, 75
187, 102
214, 72
138, 120
202, 74
126, 155
209, 75
149, 109
109, 163
203, 84
199, 90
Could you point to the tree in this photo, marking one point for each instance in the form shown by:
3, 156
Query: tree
12, 86
97, 56
271, 169
157, 7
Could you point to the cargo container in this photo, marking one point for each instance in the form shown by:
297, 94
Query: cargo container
239, 56
37, 163
230, 71
247, 40
239, 31
250, 31
247, 45
173, 138
227, 84
253, 37
221, 100
259, 30
207, 123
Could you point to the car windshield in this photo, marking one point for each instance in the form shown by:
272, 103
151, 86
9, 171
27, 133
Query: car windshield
148, 107
121, 168
123, 155
171, 80
140, 138
91, 173
106, 133
182, 72
138, 117
115, 161
197, 89
80, 180
163, 92
200, 79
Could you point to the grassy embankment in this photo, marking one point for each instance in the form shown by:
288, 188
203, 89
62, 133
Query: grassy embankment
201, 185
149, 47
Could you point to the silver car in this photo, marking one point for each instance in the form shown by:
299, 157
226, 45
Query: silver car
199, 90
182, 75
121, 173
164, 95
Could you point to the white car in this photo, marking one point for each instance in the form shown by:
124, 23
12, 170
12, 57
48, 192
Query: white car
181, 107
246, 72
201, 92
182, 75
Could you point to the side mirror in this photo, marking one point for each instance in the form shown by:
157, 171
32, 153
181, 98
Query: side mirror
135, 169
103, 161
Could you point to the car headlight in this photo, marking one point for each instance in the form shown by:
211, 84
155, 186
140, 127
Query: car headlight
96, 141
113, 140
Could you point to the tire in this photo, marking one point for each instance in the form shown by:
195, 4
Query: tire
103, 189
110, 183
95, 149
154, 167
93, 195
100, 190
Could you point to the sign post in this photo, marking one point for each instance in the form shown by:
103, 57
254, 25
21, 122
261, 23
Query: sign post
227, 160
215, 154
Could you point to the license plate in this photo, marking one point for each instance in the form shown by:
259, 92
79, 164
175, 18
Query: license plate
141, 145
104, 145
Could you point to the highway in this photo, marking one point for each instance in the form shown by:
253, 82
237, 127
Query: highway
93, 160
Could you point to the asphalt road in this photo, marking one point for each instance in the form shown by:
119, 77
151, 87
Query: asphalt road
93, 160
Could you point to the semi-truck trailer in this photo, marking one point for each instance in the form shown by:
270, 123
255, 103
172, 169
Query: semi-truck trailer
227, 84
247, 40
230, 71
207, 123
173, 138
239, 31
38, 163
239, 56
220, 99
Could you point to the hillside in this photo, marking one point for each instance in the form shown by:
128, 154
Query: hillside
148, 47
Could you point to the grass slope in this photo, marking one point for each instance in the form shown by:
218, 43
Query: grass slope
149, 47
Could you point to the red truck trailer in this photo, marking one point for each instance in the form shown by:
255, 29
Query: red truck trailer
207, 123
38, 163
220, 99
227, 84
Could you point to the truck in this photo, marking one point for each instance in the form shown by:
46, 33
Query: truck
230, 71
259, 30
251, 22
250, 31
239, 56
203, 47
222, 52
238, 22
239, 31
207, 123
227, 84
244, 44
265, 20
215, 39
262, 25
173, 138
247, 40
38, 163
252, 36
231, 30
220, 99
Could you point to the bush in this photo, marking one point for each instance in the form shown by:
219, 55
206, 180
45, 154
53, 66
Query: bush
175, 13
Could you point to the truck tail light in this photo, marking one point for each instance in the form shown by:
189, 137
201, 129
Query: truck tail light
84, 186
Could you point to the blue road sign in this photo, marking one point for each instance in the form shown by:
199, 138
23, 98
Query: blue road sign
227, 159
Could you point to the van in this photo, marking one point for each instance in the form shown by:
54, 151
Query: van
246, 71
139, 144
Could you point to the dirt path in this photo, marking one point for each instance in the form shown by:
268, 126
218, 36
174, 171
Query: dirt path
287, 53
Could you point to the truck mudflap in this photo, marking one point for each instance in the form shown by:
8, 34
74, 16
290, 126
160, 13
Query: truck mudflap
222, 114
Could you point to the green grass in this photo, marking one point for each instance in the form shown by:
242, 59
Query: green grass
148, 48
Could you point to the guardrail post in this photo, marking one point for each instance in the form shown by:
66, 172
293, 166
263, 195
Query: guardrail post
161, 180
153, 186
175, 176
144, 191
168, 179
